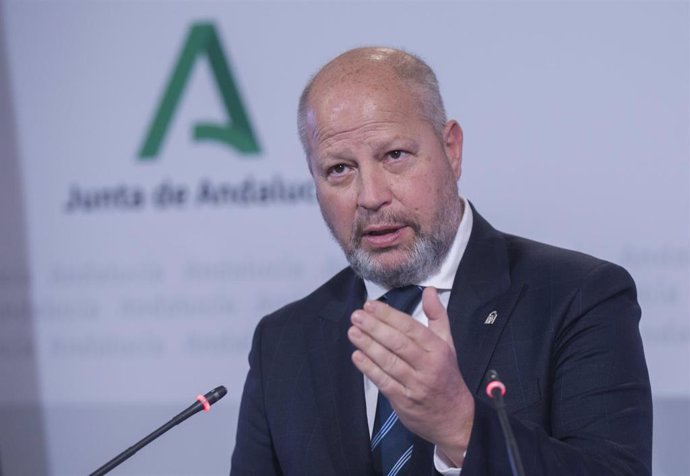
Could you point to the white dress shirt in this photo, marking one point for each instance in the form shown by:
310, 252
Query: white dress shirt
443, 282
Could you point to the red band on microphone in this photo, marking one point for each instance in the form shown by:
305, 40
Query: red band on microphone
495, 384
204, 402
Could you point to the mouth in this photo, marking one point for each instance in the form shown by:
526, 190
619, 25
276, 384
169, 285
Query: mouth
382, 236
378, 230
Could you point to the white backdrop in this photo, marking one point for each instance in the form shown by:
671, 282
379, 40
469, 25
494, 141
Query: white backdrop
115, 313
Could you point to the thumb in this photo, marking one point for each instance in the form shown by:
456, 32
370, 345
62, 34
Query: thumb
437, 314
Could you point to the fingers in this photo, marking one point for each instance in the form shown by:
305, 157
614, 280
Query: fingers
381, 379
437, 314
383, 351
393, 330
434, 310
431, 303
391, 345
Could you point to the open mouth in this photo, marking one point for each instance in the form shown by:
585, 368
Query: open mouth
381, 231
383, 236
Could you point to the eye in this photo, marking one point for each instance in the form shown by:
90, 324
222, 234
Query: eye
396, 154
336, 170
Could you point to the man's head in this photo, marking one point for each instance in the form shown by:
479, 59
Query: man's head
385, 162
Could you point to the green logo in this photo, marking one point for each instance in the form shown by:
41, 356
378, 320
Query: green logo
238, 133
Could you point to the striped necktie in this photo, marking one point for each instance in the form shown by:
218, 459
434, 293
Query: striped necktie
391, 443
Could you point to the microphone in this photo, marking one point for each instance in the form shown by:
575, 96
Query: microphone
203, 402
495, 389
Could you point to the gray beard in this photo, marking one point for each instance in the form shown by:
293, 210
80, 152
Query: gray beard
424, 257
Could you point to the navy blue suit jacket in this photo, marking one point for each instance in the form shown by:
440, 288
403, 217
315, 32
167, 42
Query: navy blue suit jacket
565, 342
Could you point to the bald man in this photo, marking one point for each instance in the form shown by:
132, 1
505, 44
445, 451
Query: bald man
345, 382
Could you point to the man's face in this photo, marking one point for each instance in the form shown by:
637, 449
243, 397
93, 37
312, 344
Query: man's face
385, 181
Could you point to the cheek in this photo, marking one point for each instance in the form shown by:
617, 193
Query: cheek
418, 193
337, 210
426, 199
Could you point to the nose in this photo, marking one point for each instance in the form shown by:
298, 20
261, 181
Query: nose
374, 188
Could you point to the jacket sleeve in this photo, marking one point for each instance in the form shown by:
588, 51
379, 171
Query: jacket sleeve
598, 402
254, 453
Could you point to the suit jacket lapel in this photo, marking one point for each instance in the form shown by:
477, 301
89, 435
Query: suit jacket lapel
338, 385
481, 301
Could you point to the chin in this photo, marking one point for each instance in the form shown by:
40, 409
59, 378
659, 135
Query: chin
387, 259
387, 268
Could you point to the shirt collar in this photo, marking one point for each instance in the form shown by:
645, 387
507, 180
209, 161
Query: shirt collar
444, 277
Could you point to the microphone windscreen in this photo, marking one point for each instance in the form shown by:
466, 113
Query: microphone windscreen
216, 394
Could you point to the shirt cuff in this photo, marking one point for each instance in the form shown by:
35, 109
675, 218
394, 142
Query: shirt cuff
443, 465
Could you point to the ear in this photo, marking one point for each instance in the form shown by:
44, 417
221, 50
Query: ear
452, 143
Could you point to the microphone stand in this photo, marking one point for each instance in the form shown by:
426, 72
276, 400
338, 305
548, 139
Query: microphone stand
203, 402
496, 389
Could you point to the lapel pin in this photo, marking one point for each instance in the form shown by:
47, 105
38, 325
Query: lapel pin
491, 318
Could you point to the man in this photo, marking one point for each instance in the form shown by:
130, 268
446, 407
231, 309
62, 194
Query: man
325, 372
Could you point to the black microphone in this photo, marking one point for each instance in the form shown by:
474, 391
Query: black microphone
495, 389
203, 402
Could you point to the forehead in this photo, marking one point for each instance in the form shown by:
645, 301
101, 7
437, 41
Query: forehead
348, 107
